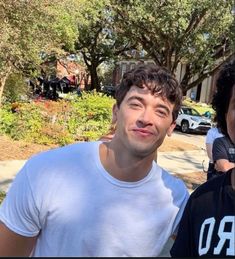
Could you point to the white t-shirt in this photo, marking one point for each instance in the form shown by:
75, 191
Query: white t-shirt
212, 134
78, 209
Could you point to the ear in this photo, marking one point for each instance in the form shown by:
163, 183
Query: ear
114, 113
171, 129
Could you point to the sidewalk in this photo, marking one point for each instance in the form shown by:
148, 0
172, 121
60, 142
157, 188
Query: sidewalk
8, 170
176, 162
183, 162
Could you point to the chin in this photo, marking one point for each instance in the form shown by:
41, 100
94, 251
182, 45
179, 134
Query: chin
143, 151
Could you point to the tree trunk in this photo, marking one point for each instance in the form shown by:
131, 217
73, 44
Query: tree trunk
187, 83
95, 83
3, 77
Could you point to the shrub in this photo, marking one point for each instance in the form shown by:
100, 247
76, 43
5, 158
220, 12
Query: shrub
61, 122
15, 88
2, 196
7, 120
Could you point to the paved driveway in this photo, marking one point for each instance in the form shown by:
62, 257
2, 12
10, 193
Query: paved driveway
193, 138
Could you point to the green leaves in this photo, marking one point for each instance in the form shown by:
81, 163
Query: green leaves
2, 196
30, 27
62, 122
199, 33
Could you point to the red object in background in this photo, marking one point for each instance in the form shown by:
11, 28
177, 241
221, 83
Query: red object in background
72, 79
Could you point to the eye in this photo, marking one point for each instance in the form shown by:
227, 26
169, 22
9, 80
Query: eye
161, 112
135, 104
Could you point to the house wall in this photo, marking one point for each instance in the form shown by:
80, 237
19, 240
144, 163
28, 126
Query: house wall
70, 68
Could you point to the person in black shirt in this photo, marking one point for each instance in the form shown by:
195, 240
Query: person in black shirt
223, 153
207, 227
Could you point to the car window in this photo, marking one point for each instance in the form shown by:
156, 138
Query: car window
190, 111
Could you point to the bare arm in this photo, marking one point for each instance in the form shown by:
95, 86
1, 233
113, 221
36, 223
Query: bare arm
12, 244
223, 165
209, 151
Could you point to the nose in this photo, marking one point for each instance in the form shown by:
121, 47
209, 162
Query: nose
145, 117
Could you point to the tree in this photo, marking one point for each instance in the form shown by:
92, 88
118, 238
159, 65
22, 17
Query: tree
199, 33
30, 27
99, 39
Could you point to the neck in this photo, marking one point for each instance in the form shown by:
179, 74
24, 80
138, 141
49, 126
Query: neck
123, 166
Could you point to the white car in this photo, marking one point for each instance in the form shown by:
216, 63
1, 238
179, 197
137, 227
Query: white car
190, 119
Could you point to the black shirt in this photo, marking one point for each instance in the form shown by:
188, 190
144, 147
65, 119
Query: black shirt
223, 148
207, 227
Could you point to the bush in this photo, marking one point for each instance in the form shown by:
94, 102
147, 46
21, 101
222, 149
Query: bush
15, 87
61, 122
2, 196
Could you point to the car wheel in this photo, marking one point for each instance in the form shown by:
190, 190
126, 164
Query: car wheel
184, 126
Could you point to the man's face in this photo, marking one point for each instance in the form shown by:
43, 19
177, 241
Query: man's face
142, 121
230, 116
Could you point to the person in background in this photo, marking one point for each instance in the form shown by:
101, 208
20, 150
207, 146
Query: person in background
223, 152
102, 198
211, 135
207, 227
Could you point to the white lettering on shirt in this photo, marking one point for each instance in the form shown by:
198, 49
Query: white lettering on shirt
222, 234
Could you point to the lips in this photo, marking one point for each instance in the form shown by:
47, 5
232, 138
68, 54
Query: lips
143, 132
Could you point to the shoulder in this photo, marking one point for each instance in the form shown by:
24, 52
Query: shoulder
220, 141
69, 151
60, 159
208, 188
211, 131
211, 135
175, 184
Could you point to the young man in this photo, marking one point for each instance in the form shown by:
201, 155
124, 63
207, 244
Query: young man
207, 227
102, 198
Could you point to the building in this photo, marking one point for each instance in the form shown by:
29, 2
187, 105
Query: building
66, 68
201, 93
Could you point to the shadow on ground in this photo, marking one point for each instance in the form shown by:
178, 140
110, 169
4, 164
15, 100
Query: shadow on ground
192, 180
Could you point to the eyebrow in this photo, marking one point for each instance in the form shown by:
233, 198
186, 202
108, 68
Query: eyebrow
134, 97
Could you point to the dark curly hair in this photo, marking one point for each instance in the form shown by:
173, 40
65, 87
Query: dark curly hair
224, 86
158, 79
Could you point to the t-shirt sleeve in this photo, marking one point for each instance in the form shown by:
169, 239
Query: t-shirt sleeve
18, 211
183, 245
182, 201
219, 150
209, 137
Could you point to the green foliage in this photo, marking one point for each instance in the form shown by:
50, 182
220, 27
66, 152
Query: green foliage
30, 27
199, 33
2, 196
15, 87
7, 120
93, 115
105, 73
99, 39
62, 122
